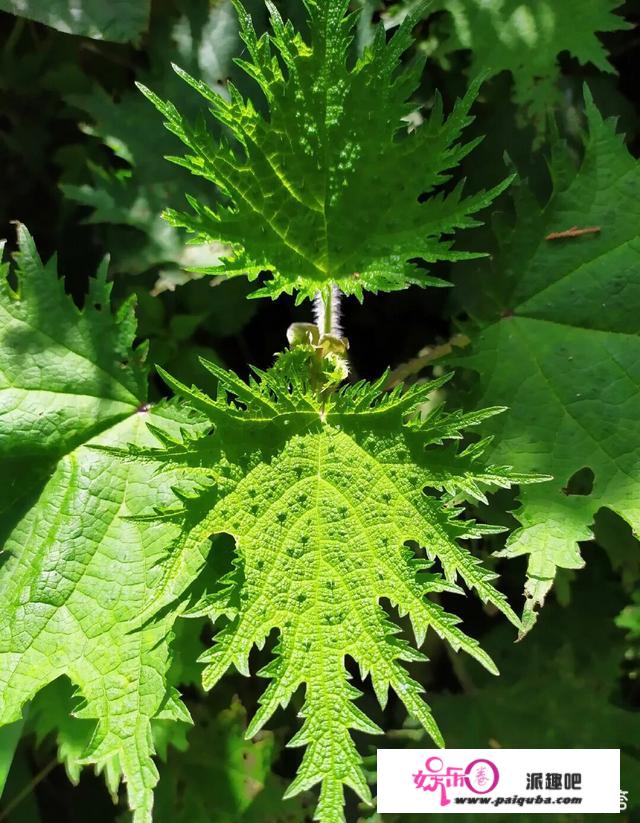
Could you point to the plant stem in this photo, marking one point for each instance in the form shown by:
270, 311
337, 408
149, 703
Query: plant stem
424, 358
26, 791
327, 310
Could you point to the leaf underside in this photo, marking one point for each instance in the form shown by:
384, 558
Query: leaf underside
322, 499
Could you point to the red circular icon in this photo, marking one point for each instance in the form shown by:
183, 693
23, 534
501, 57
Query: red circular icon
481, 776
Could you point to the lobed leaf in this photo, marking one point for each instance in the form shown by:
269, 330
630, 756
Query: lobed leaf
330, 184
527, 38
323, 496
77, 572
559, 343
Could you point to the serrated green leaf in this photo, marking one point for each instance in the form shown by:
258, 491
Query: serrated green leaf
561, 347
557, 689
76, 581
301, 186
76, 574
229, 781
322, 494
51, 712
526, 39
64, 373
205, 39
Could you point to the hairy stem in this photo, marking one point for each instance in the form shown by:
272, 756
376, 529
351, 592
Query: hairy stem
326, 306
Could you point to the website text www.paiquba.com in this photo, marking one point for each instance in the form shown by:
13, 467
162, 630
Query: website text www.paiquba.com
518, 800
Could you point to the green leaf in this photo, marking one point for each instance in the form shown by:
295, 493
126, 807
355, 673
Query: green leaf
559, 344
629, 619
9, 739
557, 689
526, 39
225, 782
77, 578
117, 20
302, 185
51, 713
64, 373
76, 573
205, 39
322, 495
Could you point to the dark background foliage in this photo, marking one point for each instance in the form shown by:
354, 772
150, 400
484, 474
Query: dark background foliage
67, 104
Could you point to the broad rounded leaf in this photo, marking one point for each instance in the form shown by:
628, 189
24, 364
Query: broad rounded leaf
560, 345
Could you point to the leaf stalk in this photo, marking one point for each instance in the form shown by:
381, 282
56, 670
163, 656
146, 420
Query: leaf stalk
326, 306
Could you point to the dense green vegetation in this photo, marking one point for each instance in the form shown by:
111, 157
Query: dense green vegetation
314, 400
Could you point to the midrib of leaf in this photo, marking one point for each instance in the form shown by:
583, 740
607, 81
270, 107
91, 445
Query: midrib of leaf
323, 267
277, 230
325, 222
281, 176
586, 329
33, 393
354, 610
326, 268
384, 663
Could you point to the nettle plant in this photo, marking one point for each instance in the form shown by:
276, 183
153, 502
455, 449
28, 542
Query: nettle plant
338, 495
